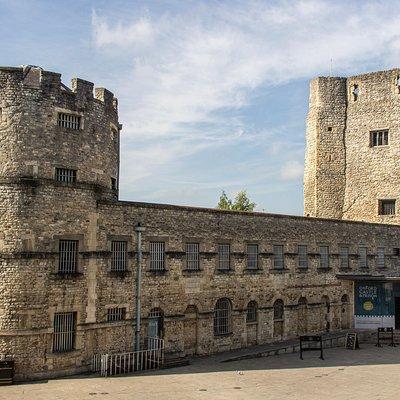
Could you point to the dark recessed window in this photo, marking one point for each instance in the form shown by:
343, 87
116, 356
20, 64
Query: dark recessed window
379, 138
113, 184
387, 207
329, 129
65, 175
64, 326
355, 91
70, 121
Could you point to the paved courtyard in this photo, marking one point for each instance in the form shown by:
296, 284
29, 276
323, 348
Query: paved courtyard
368, 373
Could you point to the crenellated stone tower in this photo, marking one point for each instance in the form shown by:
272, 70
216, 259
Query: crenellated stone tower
59, 155
352, 166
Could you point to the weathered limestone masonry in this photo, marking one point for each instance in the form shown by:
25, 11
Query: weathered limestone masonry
345, 174
38, 212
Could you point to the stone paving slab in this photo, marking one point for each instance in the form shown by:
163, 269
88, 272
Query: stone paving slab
368, 373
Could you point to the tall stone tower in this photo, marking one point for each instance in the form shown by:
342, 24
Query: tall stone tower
59, 152
352, 166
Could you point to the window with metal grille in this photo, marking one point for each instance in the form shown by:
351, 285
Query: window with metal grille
157, 256
362, 257
387, 207
224, 256
116, 314
279, 310
379, 138
65, 175
70, 121
252, 256
303, 256
68, 256
222, 317
64, 332
192, 256
324, 256
278, 257
381, 257
251, 312
119, 255
344, 257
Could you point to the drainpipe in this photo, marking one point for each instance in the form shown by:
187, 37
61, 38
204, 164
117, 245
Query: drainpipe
138, 230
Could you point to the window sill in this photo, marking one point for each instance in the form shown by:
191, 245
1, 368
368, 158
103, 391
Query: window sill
279, 270
344, 269
321, 269
302, 269
255, 271
119, 274
191, 271
224, 271
73, 352
252, 323
161, 272
223, 335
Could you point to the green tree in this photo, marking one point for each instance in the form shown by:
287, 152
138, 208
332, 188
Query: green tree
241, 202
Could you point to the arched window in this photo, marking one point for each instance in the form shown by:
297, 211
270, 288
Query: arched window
302, 301
222, 317
278, 309
251, 312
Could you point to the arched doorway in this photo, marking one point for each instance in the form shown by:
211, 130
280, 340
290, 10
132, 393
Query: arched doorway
302, 316
345, 312
190, 330
326, 313
279, 318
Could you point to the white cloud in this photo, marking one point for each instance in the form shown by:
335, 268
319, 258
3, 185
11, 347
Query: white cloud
292, 171
188, 76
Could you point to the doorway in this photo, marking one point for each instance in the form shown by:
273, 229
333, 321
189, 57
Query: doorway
397, 312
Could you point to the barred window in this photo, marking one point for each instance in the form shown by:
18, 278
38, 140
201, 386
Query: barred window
344, 257
381, 257
362, 257
68, 256
119, 255
251, 312
224, 256
303, 256
279, 310
222, 317
252, 256
116, 314
387, 207
64, 326
278, 257
65, 175
192, 256
324, 256
157, 256
379, 138
70, 121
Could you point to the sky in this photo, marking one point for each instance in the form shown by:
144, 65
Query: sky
213, 95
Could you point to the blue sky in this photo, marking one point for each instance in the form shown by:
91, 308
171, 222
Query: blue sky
212, 95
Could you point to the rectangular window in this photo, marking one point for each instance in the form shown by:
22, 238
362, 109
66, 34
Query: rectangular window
70, 121
192, 256
116, 314
157, 256
119, 255
68, 256
381, 257
252, 256
64, 332
344, 257
379, 138
324, 257
278, 257
303, 256
65, 175
362, 257
224, 256
387, 207
113, 184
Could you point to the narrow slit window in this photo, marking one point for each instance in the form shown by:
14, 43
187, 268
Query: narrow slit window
303, 256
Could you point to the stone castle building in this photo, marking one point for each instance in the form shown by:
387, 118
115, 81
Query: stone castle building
212, 280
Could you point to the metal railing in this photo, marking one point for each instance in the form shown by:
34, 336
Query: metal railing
152, 357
